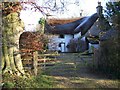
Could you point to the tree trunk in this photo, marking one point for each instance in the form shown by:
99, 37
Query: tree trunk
18, 60
2, 62
12, 28
11, 57
5, 55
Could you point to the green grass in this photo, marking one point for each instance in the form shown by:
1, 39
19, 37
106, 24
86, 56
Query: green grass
70, 72
39, 81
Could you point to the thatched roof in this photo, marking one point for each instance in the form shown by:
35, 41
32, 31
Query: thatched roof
55, 21
93, 31
71, 26
86, 24
109, 34
101, 25
63, 26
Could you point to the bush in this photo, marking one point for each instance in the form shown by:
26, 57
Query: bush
108, 54
107, 58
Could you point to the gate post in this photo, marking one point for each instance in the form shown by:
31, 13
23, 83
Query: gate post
35, 62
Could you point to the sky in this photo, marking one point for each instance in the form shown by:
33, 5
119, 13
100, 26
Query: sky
31, 18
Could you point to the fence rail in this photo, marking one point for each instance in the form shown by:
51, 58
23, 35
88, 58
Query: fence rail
44, 61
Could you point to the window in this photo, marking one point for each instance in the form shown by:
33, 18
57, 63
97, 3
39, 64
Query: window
61, 36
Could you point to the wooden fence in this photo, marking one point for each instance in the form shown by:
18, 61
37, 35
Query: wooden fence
42, 61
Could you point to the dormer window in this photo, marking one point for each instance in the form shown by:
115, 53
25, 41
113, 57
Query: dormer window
61, 36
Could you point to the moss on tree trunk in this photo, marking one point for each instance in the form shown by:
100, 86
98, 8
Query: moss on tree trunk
11, 30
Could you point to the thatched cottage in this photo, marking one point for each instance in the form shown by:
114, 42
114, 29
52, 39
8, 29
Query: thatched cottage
59, 41
67, 33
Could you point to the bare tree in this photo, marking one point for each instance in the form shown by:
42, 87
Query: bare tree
48, 7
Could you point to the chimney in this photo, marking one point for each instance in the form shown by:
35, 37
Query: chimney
99, 9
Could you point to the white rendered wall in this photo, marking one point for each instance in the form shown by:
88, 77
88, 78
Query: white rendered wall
77, 35
55, 40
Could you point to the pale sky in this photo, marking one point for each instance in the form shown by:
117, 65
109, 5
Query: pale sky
31, 18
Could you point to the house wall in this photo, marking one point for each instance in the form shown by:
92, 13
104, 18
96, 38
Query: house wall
67, 39
55, 42
77, 35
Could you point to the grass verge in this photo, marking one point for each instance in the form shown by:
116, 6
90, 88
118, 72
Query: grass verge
39, 81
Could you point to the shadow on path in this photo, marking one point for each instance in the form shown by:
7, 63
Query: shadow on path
73, 72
